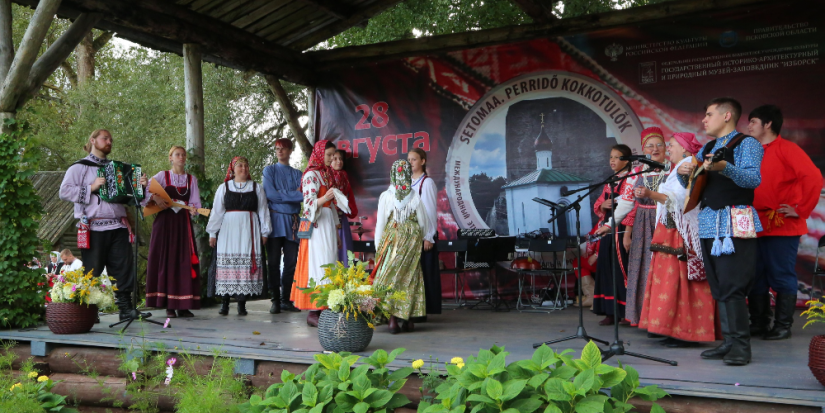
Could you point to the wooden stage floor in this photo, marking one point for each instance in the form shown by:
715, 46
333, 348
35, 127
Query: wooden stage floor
777, 374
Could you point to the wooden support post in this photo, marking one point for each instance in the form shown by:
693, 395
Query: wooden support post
16, 80
192, 69
311, 113
290, 113
6, 41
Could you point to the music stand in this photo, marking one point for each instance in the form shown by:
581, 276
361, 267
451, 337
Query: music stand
493, 250
136, 315
455, 246
363, 247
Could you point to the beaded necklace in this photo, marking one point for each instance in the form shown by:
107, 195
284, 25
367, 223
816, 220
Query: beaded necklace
654, 183
172, 177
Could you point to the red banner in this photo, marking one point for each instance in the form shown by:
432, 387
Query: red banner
480, 113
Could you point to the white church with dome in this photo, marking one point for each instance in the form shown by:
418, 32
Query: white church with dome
525, 215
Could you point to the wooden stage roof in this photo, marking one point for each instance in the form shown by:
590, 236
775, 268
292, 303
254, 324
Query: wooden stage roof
271, 36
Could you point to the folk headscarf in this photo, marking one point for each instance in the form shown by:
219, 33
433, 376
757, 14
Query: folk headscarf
652, 132
688, 141
340, 180
401, 178
230, 173
316, 163
406, 200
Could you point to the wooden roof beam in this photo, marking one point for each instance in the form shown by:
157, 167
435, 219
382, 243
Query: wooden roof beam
318, 36
159, 19
541, 11
358, 55
333, 8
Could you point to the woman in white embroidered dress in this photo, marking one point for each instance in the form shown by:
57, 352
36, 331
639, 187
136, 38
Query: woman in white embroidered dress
241, 216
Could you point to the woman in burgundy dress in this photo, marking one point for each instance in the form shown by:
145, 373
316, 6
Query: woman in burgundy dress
173, 274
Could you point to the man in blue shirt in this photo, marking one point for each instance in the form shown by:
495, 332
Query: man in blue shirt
282, 185
727, 213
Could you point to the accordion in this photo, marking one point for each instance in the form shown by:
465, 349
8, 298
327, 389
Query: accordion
121, 179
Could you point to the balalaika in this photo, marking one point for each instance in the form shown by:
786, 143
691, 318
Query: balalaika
121, 178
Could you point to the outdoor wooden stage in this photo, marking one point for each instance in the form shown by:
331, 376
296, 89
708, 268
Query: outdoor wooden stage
778, 373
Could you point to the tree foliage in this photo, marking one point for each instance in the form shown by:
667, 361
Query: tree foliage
414, 18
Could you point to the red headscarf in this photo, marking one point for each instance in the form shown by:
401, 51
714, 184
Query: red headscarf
316, 163
340, 180
230, 172
652, 132
688, 141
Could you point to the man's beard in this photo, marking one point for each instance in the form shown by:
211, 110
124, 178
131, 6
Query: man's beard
105, 149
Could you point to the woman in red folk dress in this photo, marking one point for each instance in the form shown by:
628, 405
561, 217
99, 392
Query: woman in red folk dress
677, 301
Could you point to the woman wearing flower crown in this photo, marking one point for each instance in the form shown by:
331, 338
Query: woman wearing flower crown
321, 199
403, 225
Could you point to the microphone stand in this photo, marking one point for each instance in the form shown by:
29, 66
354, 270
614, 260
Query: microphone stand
617, 348
580, 331
135, 314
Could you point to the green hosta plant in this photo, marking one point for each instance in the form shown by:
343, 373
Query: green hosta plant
550, 382
333, 386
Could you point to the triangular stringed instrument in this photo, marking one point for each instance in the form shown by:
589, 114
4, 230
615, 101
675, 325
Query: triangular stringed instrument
152, 208
699, 178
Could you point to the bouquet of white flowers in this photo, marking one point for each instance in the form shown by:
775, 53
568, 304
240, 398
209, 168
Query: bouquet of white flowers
79, 288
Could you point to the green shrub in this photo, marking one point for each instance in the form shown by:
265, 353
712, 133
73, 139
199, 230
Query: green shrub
550, 382
333, 386
21, 305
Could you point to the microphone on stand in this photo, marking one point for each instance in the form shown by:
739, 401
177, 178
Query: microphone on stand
645, 159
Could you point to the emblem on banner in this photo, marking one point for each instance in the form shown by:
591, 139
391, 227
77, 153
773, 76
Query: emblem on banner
728, 39
647, 72
613, 51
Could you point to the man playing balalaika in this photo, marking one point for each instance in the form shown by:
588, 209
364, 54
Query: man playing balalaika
104, 235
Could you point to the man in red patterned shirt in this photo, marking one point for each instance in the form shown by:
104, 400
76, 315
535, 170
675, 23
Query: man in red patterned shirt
789, 192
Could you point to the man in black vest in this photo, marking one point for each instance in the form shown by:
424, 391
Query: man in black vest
728, 224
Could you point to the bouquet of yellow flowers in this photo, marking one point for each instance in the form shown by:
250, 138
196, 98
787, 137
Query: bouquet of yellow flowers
79, 288
349, 291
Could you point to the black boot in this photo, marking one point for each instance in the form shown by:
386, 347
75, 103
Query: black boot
242, 305
759, 306
276, 301
785, 307
719, 352
740, 333
287, 305
123, 300
224, 305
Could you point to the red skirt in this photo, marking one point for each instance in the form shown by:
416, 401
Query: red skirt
673, 305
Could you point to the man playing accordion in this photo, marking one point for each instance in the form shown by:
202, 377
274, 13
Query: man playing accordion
104, 234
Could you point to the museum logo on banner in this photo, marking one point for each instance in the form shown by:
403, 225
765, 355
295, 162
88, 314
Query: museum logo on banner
539, 135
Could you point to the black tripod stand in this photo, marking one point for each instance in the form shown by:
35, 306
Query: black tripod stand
617, 347
580, 332
135, 314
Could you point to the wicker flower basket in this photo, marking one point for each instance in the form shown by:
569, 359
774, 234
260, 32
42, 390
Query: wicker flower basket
337, 334
816, 358
70, 318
